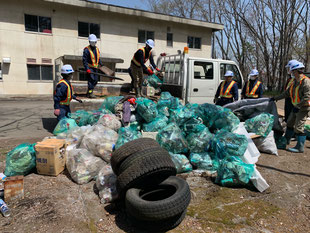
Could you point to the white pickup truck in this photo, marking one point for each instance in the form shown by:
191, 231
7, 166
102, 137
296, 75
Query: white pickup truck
195, 80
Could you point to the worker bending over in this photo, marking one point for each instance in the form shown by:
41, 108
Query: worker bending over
299, 92
137, 65
64, 93
253, 89
227, 92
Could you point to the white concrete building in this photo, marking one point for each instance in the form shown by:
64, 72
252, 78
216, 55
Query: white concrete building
34, 33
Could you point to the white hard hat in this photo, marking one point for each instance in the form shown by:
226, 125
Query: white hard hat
66, 69
92, 38
150, 43
229, 74
290, 63
254, 72
296, 65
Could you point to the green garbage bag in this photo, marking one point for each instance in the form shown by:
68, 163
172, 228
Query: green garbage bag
64, 126
233, 171
146, 109
226, 119
21, 160
181, 163
163, 110
126, 135
81, 117
192, 107
226, 144
307, 131
200, 141
280, 140
110, 102
203, 161
261, 124
172, 139
94, 116
135, 126
165, 99
159, 123
193, 125
208, 113
180, 115
154, 81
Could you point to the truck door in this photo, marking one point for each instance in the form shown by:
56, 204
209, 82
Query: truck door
202, 84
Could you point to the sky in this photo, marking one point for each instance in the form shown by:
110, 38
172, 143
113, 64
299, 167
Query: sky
141, 4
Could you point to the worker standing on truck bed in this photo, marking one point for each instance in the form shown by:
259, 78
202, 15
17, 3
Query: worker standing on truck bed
253, 89
91, 62
137, 65
64, 93
227, 92
299, 92
288, 106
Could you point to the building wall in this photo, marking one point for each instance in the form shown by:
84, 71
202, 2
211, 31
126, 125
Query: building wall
118, 39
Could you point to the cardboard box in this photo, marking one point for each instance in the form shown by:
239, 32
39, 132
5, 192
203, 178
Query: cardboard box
51, 156
13, 188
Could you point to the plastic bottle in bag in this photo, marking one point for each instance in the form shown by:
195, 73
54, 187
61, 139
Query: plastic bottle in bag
4, 209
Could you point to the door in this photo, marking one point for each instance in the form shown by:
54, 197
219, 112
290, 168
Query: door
202, 81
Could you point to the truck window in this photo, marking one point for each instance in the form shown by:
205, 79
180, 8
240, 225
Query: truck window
233, 68
203, 70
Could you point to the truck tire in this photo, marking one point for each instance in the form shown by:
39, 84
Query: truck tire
151, 170
157, 226
132, 159
119, 155
168, 199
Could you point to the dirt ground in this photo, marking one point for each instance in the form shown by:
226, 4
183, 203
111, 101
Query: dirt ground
57, 204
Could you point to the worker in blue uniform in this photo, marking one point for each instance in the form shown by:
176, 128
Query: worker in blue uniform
91, 62
64, 93
227, 92
138, 67
288, 106
253, 89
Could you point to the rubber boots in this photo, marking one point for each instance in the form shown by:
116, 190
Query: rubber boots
299, 148
138, 92
288, 135
90, 94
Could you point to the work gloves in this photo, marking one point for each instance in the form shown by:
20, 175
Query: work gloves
88, 71
56, 112
272, 99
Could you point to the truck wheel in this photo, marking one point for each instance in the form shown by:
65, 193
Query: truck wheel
134, 158
168, 199
151, 170
119, 155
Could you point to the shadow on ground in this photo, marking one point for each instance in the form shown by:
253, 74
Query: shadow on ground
49, 124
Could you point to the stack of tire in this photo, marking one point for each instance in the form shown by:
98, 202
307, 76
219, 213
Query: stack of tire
155, 199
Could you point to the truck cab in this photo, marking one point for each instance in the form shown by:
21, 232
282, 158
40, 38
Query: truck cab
193, 79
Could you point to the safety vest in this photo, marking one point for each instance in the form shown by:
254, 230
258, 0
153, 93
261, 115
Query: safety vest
69, 94
295, 94
95, 62
227, 92
289, 83
144, 59
254, 89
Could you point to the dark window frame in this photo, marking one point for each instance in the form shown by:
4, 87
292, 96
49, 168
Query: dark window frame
191, 42
169, 39
89, 31
146, 35
207, 75
40, 26
41, 78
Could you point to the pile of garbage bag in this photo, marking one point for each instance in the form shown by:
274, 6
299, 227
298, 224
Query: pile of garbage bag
261, 124
181, 163
146, 109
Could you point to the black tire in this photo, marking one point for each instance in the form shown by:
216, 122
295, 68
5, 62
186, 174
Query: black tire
157, 226
163, 201
151, 170
119, 155
134, 158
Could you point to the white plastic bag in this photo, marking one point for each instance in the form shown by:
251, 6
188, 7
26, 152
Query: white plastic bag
106, 184
110, 121
266, 145
82, 165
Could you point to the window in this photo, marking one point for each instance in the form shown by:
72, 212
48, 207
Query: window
194, 42
85, 29
40, 72
145, 35
233, 68
35, 23
203, 70
169, 39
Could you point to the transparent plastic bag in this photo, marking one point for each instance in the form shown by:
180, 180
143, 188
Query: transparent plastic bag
181, 163
227, 120
21, 160
94, 116
159, 123
163, 110
81, 117
154, 81
203, 161
135, 126
110, 102
193, 125
233, 172
261, 124
208, 113
106, 185
110, 121
78, 133
172, 139
180, 115
165, 99
82, 165
126, 135
64, 126
227, 144
146, 109
200, 141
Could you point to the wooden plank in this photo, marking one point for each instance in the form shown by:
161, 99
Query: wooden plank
255, 136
